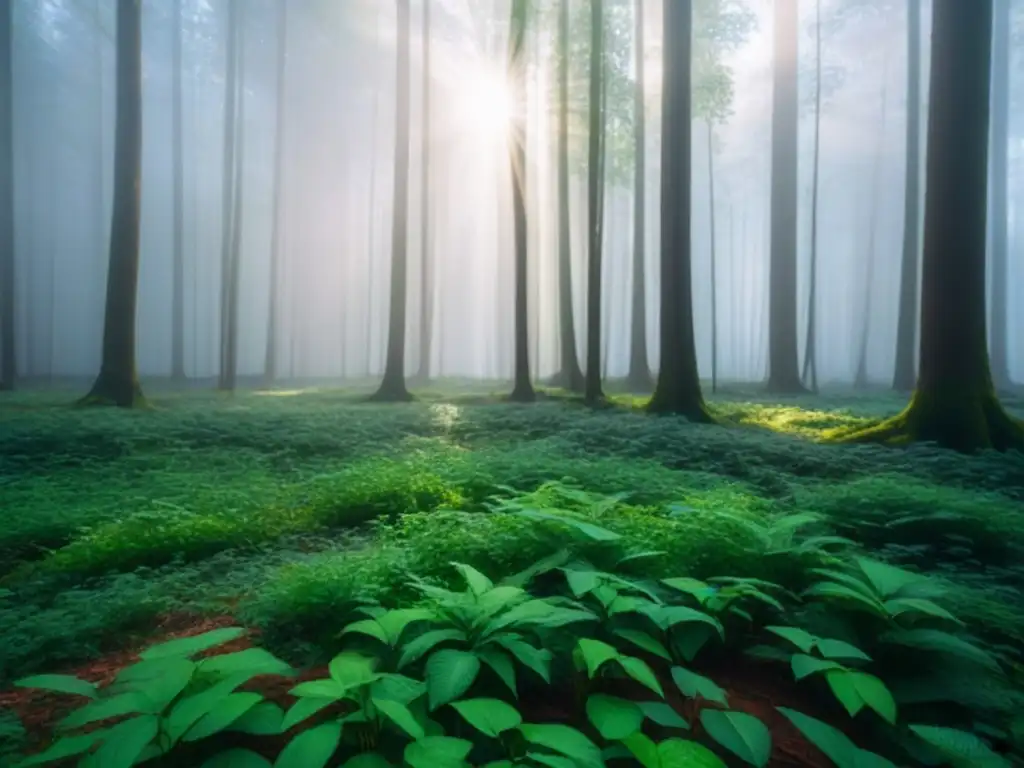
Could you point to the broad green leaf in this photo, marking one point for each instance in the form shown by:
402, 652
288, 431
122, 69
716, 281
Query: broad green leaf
174, 677
499, 764
564, 740
59, 684
695, 587
320, 689
887, 579
643, 641
643, 674
876, 695
837, 649
265, 719
395, 622
501, 663
352, 670
67, 746
130, 703
147, 671
804, 665
249, 660
902, 606
428, 641
841, 592
643, 749
693, 685
589, 530
614, 718
844, 688
369, 627
438, 752
688, 639
450, 673
742, 734
187, 646
237, 758
367, 760
400, 715
499, 598
187, 711
801, 638
938, 641
125, 742
398, 688
677, 753
582, 582
476, 581
491, 717
661, 713
964, 749
551, 761
833, 742
305, 708
537, 659
224, 714
670, 616
847, 579
312, 748
595, 654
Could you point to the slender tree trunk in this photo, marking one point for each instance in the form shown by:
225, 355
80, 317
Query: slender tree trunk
8, 358
1000, 214
392, 386
714, 260
522, 390
226, 376
810, 372
678, 388
783, 357
234, 279
906, 329
178, 205
595, 205
955, 404
270, 364
426, 267
118, 380
570, 375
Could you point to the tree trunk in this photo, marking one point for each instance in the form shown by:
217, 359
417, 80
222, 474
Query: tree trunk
570, 376
783, 358
595, 205
392, 387
906, 329
178, 205
230, 378
810, 372
955, 404
714, 284
8, 359
426, 267
1000, 214
226, 374
118, 380
678, 386
271, 361
639, 377
522, 390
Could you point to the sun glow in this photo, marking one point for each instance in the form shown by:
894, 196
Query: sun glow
487, 106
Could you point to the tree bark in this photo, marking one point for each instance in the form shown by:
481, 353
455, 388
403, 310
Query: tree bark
426, 267
392, 387
810, 371
1000, 214
714, 282
118, 380
178, 204
955, 404
678, 387
783, 357
906, 328
225, 379
592, 393
8, 358
270, 364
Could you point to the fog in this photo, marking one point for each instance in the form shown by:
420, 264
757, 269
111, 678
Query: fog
336, 178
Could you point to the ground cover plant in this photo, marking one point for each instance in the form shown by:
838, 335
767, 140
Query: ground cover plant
298, 515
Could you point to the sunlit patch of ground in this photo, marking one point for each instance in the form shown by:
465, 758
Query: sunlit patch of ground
265, 503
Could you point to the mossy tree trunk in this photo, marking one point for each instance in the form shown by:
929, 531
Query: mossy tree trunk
8, 364
678, 386
118, 380
592, 393
955, 404
522, 390
392, 387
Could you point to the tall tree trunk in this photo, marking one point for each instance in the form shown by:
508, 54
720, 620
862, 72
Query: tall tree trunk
678, 386
426, 266
783, 358
270, 364
8, 359
118, 380
178, 195
235, 277
955, 403
570, 376
392, 386
595, 205
639, 377
1000, 214
906, 328
225, 379
810, 371
522, 390
714, 282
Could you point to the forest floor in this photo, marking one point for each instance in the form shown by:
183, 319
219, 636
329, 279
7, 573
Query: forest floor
279, 509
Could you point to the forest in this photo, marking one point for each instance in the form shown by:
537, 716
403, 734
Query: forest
499, 383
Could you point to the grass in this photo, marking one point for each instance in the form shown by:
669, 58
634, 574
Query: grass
286, 507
